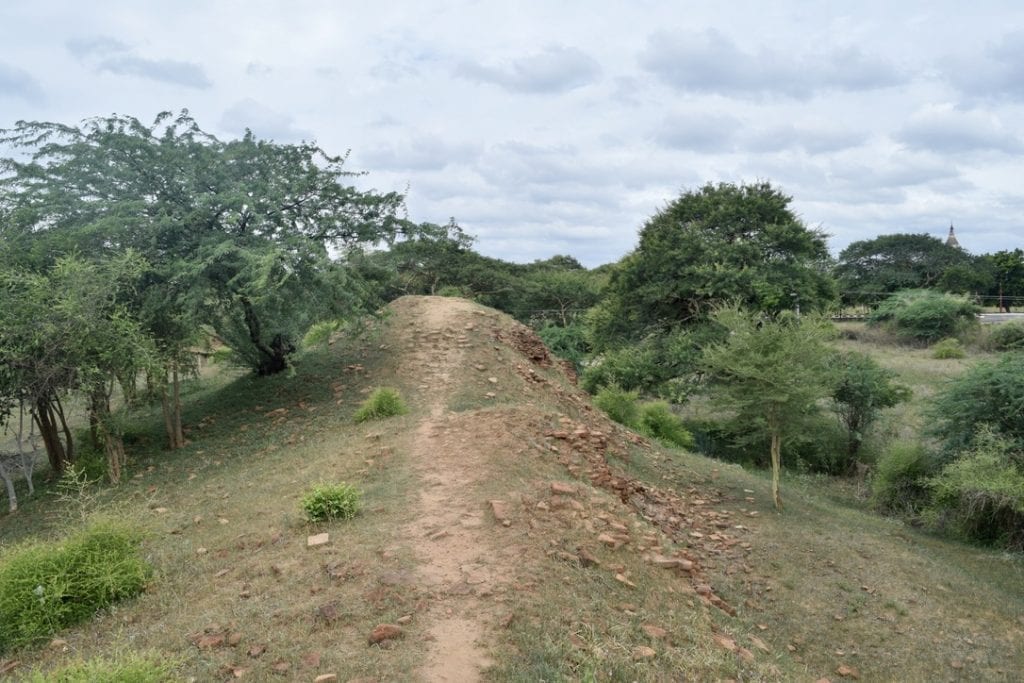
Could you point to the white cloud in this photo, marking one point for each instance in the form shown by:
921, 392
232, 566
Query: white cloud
18, 83
948, 130
710, 62
553, 70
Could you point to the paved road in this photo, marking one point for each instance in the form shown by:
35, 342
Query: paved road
990, 318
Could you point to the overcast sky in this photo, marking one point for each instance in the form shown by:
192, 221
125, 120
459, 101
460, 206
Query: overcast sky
560, 127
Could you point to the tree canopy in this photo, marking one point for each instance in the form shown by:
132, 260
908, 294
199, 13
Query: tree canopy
717, 244
867, 270
230, 229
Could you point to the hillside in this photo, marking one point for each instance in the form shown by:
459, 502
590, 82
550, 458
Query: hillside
511, 532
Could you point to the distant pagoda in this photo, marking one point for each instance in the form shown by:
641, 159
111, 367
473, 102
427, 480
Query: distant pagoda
952, 240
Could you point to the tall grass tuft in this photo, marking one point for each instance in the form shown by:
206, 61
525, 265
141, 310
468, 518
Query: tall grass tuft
383, 402
45, 587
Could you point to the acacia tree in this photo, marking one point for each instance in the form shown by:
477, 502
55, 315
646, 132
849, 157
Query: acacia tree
771, 372
710, 246
218, 221
69, 330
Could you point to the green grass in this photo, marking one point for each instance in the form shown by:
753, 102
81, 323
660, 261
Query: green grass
122, 668
47, 586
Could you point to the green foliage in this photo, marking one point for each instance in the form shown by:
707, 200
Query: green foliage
981, 493
237, 233
862, 389
949, 348
619, 404
331, 501
383, 402
989, 393
923, 315
127, 668
569, 342
657, 420
889, 263
47, 586
770, 373
1006, 336
1007, 268
665, 364
710, 246
898, 484
320, 333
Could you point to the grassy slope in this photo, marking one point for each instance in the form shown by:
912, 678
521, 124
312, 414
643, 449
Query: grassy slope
837, 585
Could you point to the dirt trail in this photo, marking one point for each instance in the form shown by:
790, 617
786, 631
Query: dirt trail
454, 552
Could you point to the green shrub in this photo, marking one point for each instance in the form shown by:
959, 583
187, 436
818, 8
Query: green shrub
47, 586
568, 343
948, 348
127, 668
980, 495
1006, 336
863, 388
899, 481
658, 421
619, 404
331, 501
924, 315
383, 402
989, 393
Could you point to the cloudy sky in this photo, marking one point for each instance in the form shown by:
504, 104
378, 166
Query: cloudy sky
559, 127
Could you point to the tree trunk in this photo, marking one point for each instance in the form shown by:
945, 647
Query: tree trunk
9, 484
113, 444
179, 434
47, 423
776, 469
96, 398
69, 440
273, 358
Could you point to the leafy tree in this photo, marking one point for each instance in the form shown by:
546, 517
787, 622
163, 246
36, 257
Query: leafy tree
70, 329
888, 263
720, 243
771, 373
222, 223
862, 390
1008, 274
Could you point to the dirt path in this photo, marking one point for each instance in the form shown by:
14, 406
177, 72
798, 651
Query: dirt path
449, 538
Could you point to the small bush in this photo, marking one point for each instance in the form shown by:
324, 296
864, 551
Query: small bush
1006, 336
331, 501
981, 493
948, 348
128, 668
658, 421
619, 404
898, 485
383, 402
924, 315
47, 586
